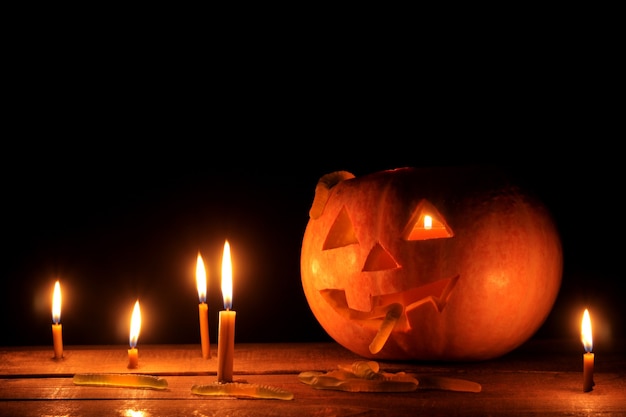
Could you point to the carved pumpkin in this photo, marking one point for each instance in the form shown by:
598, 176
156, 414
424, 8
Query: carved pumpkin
429, 264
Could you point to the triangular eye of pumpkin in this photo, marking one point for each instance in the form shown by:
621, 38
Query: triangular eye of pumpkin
426, 223
341, 233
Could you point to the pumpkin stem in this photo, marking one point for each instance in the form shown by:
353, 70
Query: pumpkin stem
325, 183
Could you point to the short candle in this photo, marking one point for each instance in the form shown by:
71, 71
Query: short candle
226, 340
135, 327
57, 335
203, 309
588, 356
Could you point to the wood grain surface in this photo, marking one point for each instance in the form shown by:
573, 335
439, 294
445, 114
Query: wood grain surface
542, 378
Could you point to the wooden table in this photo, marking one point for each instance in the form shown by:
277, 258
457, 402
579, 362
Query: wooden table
542, 377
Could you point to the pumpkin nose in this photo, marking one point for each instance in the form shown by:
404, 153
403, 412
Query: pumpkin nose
379, 259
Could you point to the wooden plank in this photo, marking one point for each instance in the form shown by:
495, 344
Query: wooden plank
172, 359
541, 378
264, 358
503, 393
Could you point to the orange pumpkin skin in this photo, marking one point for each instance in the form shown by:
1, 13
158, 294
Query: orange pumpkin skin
479, 288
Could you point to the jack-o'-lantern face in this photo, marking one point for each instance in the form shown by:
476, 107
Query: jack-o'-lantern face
428, 264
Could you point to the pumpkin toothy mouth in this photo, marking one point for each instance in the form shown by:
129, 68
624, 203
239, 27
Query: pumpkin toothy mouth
436, 294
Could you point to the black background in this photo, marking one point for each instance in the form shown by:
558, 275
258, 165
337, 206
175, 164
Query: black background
123, 158
117, 224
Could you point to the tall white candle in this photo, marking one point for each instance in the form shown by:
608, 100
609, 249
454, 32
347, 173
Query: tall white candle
203, 309
57, 329
226, 340
135, 327
588, 356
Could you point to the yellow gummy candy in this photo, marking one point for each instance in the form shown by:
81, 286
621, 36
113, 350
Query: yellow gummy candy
242, 390
121, 380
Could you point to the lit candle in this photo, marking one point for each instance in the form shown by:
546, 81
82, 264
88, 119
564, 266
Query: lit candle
135, 327
203, 309
428, 222
226, 340
57, 335
588, 356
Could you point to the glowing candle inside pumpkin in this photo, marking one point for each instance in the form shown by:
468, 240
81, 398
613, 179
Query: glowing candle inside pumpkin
226, 340
203, 308
135, 327
428, 222
57, 335
588, 356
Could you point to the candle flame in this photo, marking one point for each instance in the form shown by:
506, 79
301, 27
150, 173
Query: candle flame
135, 325
56, 303
227, 277
201, 279
586, 332
428, 222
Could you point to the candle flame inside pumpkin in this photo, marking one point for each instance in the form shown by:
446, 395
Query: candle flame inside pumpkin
135, 325
428, 222
227, 277
56, 303
201, 279
586, 332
